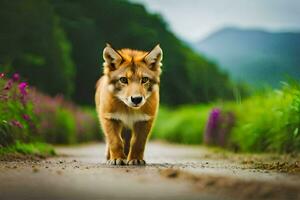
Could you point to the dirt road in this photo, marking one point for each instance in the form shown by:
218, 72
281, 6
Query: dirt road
172, 172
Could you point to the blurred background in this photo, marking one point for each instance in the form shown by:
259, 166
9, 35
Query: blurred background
230, 71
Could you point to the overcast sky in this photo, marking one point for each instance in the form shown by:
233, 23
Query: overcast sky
192, 20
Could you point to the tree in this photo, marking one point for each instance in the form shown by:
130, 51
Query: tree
34, 44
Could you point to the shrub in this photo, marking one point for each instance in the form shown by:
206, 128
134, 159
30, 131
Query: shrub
59, 128
268, 122
17, 118
218, 127
182, 125
88, 127
27, 115
63, 122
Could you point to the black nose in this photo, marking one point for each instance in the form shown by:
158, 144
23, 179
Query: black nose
136, 100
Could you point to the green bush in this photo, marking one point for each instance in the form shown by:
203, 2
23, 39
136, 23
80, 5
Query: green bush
62, 129
62, 122
17, 118
65, 128
265, 122
182, 125
88, 128
268, 122
27, 115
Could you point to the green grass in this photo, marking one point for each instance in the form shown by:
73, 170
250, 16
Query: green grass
28, 149
264, 122
268, 122
181, 125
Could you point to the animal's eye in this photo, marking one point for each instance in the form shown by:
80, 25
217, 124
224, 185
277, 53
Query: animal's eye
145, 79
124, 80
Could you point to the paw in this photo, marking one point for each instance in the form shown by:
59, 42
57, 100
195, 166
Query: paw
118, 161
136, 162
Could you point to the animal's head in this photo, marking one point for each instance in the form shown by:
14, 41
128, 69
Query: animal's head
133, 75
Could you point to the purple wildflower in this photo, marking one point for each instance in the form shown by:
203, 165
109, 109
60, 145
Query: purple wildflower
8, 85
213, 120
218, 127
22, 88
26, 117
16, 123
212, 125
16, 77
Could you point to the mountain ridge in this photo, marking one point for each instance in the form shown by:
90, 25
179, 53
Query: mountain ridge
251, 54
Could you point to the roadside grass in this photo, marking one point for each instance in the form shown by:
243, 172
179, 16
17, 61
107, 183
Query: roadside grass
264, 122
267, 122
184, 125
36, 148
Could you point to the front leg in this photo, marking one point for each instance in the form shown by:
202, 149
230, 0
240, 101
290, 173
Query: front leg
115, 147
138, 141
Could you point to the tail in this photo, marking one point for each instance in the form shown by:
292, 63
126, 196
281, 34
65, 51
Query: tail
126, 135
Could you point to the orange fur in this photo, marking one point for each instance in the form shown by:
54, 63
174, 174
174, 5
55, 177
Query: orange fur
115, 101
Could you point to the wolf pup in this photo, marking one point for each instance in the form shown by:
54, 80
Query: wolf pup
127, 100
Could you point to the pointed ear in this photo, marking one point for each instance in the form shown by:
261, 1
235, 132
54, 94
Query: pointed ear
154, 57
111, 57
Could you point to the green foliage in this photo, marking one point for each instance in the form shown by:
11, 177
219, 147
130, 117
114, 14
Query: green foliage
182, 125
62, 128
45, 39
184, 71
66, 125
29, 149
88, 128
26, 115
268, 122
34, 44
60, 121
16, 116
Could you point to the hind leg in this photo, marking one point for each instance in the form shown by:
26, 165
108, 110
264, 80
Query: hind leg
107, 153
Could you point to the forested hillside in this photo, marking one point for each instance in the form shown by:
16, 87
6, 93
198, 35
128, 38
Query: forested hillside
57, 45
34, 43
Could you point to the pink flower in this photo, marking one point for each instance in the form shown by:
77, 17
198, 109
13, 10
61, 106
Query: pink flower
8, 85
16, 77
212, 125
2, 75
16, 123
22, 88
26, 117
